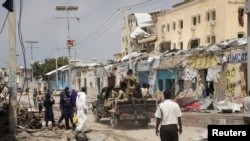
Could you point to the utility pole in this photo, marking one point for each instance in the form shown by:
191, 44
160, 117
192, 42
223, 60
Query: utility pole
56, 56
12, 72
32, 62
125, 11
56, 70
70, 42
247, 11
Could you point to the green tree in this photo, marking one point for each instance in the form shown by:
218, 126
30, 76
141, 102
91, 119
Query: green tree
39, 69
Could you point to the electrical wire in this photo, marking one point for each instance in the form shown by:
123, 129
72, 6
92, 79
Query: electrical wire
99, 28
135, 5
4, 22
110, 21
23, 48
147, 4
100, 33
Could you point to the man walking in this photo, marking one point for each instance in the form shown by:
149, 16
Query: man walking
168, 113
246, 107
82, 110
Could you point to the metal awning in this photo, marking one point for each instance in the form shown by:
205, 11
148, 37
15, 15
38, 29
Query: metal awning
147, 39
59, 69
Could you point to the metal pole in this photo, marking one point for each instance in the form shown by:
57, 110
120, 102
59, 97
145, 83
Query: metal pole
128, 37
69, 49
12, 72
56, 72
247, 11
69, 80
32, 61
67, 8
248, 53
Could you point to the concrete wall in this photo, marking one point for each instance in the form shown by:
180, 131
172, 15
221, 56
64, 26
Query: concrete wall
225, 26
203, 119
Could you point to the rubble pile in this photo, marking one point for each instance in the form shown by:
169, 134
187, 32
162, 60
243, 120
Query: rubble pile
28, 120
4, 122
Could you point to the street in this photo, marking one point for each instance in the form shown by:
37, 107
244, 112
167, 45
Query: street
133, 132
100, 131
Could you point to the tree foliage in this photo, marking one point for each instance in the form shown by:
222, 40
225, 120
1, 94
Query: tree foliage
39, 69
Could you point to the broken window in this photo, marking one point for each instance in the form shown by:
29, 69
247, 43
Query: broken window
194, 21
181, 45
194, 43
241, 16
173, 25
180, 24
165, 46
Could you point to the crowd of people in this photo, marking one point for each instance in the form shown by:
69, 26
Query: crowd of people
73, 105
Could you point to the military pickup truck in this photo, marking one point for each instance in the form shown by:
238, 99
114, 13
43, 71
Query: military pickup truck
141, 111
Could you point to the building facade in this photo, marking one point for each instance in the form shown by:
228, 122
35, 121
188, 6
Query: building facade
194, 23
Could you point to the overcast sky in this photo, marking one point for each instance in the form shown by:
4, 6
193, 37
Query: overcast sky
97, 33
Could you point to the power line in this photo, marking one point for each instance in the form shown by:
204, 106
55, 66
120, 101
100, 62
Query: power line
23, 48
4, 22
111, 21
135, 5
99, 28
85, 42
140, 6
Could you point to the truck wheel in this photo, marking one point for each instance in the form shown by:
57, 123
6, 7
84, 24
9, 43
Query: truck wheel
144, 123
114, 121
96, 116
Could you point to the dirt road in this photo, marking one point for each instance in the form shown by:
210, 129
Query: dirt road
133, 132
102, 131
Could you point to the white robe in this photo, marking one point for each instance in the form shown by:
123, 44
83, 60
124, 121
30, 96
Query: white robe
81, 105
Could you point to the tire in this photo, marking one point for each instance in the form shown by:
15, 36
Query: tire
144, 123
114, 121
96, 116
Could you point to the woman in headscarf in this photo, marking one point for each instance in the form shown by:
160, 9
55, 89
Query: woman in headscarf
48, 104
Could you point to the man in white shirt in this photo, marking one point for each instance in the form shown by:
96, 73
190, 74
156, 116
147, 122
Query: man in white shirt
246, 106
82, 110
168, 114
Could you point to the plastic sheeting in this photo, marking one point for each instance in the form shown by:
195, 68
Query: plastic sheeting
221, 106
189, 74
132, 55
138, 32
232, 42
143, 19
212, 73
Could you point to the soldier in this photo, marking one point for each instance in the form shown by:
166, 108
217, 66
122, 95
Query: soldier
110, 100
159, 96
121, 93
27, 90
114, 92
131, 82
130, 76
144, 90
